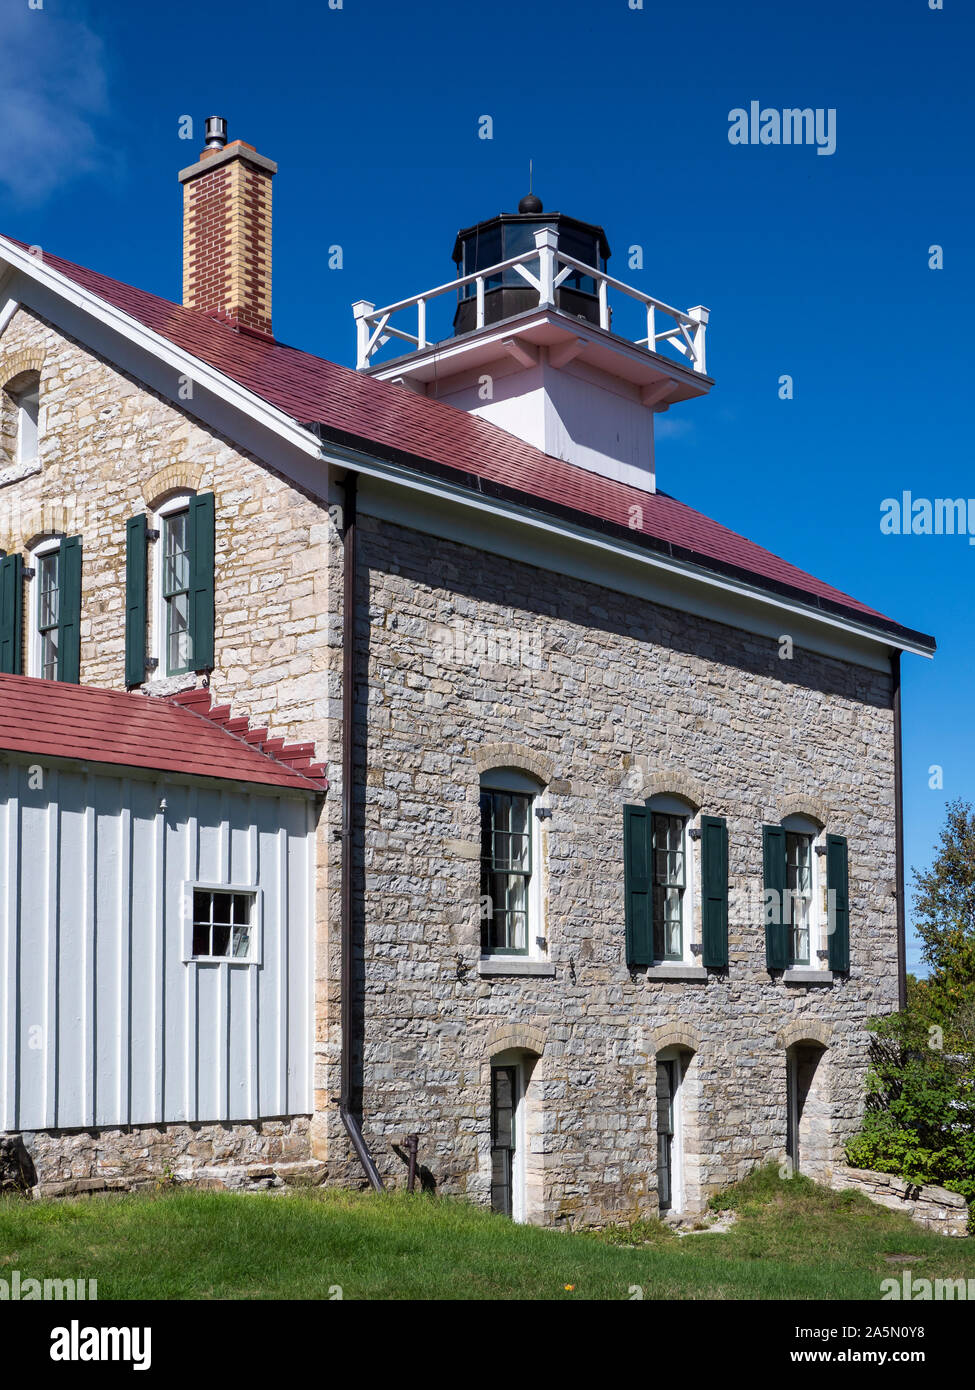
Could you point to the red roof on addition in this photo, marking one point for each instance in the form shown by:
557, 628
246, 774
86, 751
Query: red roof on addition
183, 734
357, 409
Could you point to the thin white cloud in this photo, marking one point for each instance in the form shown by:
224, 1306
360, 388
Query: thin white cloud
52, 91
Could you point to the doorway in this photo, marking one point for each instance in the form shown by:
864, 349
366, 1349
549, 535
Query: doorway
510, 1073
807, 1118
670, 1146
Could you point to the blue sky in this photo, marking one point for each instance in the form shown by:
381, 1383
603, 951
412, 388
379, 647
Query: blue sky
813, 266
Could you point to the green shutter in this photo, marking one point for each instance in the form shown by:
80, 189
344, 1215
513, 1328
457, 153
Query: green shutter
11, 615
714, 891
837, 880
135, 600
636, 885
201, 543
69, 616
778, 904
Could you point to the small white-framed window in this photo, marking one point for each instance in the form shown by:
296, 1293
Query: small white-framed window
511, 904
803, 884
171, 587
26, 402
44, 606
224, 923
673, 871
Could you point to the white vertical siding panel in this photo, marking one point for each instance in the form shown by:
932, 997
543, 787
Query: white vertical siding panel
123, 933
71, 1077
141, 973
109, 792
9, 943
191, 972
252, 975
177, 977
52, 865
88, 980
156, 924
281, 942
32, 985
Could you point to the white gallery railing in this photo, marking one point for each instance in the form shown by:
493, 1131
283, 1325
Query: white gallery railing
551, 268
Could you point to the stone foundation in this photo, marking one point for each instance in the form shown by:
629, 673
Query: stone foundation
935, 1207
248, 1156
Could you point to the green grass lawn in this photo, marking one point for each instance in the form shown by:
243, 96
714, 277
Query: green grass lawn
793, 1240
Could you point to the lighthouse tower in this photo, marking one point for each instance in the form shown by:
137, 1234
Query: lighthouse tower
539, 342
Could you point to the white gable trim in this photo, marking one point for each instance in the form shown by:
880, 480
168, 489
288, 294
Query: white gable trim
182, 362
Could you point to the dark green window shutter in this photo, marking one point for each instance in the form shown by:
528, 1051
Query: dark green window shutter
837, 880
636, 885
778, 905
714, 891
11, 615
201, 541
69, 620
135, 600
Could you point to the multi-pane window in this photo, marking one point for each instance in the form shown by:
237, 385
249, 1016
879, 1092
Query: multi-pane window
798, 860
48, 572
669, 883
506, 870
222, 922
27, 403
176, 593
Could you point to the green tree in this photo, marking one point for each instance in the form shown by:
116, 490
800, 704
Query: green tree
944, 905
920, 1112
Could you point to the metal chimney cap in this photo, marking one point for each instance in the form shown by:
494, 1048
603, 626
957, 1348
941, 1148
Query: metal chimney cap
216, 132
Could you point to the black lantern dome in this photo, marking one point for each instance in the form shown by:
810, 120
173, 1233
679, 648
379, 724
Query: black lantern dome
511, 234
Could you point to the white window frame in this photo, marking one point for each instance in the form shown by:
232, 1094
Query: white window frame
805, 825
666, 804
512, 779
515, 1058
48, 546
178, 502
256, 955
678, 1196
28, 422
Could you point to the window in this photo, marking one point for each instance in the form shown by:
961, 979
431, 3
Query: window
510, 908
669, 883
799, 882
26, 402
47, 570
183, 589
665, 874
222, 923
52, 609
175, 593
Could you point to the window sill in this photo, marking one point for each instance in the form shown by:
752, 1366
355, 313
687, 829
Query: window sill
674, 970
514, 965
800, 975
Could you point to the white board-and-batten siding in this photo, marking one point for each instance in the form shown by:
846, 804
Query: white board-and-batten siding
103, 1019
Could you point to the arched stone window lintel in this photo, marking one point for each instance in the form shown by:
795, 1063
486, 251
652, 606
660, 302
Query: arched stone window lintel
497, 755
805, 1030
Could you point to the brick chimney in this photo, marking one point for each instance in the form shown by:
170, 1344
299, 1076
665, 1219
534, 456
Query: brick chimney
227, 231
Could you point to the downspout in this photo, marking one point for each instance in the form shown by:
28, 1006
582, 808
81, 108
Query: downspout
350, 579
895, 667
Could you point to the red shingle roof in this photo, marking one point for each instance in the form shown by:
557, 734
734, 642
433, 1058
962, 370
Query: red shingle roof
358, 409
183, 734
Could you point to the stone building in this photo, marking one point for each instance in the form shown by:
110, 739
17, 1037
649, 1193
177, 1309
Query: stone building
608, 875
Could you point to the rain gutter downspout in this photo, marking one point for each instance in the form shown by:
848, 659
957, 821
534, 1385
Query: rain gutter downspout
895, 666
350, 579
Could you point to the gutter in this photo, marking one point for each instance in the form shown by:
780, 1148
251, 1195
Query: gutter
349, 1113
895, 668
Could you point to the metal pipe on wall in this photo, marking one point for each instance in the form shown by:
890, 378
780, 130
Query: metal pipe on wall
350, 581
